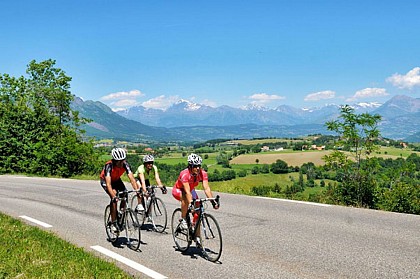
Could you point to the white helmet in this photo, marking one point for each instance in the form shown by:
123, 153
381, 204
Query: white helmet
148, 158
118, 154
194, 159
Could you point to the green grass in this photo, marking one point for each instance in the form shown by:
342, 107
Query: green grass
393, 151
28, 252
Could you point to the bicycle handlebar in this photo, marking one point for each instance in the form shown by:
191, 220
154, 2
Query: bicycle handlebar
216, 199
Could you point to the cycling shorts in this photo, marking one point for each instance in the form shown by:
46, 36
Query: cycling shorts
116, 185
177, 193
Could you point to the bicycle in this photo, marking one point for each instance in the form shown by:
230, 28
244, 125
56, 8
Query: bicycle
155, 210
205, 231
126, 221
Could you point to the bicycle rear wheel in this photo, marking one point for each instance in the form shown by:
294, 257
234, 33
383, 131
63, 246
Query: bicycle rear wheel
181, 236
211, 238
158, 214
132, 230
112, 236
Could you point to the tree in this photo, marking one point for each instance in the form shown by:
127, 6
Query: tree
279, 166
358, 133
40, 132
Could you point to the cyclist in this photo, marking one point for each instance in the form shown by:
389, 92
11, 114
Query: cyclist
110, 179
143, 174
184, 188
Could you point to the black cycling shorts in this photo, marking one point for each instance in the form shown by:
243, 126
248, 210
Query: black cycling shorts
116, 185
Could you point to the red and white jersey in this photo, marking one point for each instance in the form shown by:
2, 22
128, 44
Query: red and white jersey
193, 180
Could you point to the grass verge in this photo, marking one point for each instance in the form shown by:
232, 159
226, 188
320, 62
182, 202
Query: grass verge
29, 252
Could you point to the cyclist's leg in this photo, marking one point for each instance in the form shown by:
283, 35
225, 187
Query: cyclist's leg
180, 195
113, 205
139, 196
144, 197
119, 185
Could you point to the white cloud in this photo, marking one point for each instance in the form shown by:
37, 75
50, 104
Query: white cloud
368, 93
322, 95
125, 103
409, 80
209, 103
160, 102
263, 98
133, 94
266, 97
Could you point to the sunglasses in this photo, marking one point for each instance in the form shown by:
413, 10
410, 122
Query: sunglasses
196, 166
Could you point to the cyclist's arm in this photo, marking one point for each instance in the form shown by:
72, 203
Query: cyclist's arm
158, 181
109, 187
207, 189
132, 181
209, 194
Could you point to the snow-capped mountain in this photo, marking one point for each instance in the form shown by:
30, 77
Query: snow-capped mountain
400, 119
186, 113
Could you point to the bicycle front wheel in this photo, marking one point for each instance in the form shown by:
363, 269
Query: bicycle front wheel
158, 215
112, 236
132, 229
181, 236
211, 238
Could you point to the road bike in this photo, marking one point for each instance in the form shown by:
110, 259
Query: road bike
155, 209
206, 231
126, 221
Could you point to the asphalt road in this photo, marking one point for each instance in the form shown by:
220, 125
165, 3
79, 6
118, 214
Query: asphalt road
262, 238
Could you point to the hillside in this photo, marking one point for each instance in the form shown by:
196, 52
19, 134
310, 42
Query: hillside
401, 118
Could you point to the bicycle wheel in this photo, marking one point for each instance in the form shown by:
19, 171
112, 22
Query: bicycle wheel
132, 230
181, 236
211, 238
112, 236
158, 215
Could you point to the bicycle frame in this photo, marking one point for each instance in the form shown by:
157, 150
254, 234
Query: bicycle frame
126, 221
200, 210
206, 231
155, 210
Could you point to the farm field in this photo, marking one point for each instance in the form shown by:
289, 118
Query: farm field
297, 158
292, 159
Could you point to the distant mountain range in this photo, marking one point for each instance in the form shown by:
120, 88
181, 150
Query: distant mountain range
185, 121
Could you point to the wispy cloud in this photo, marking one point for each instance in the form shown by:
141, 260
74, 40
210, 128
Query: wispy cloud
263, 98
123, 95
322, 95
160, 102
122, 100
407, 81
368, 93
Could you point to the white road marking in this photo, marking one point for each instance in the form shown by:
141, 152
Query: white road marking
45, 225
294, 201
130, 263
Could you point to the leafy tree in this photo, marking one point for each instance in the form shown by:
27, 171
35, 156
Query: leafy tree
358, 133
255, 170
39, 131
279, 166
265, 168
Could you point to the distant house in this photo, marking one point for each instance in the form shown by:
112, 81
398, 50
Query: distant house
148, 149
265, 148
403, 145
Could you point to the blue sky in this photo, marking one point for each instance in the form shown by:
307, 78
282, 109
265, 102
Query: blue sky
153, 53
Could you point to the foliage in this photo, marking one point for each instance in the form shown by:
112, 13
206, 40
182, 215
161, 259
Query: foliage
357, 134
39, 130
279, 166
